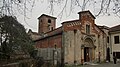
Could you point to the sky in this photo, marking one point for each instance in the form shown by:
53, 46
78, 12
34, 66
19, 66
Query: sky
42, 7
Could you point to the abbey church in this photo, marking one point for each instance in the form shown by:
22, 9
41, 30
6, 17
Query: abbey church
76, 41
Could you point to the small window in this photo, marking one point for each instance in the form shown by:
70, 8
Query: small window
118, 55
116, 39
107, 39
49, 21
88, 29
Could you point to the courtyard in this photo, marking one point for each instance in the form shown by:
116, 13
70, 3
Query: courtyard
109, 64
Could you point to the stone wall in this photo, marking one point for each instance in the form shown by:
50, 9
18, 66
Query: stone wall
50, 48
75, 37
72, 47
50, 54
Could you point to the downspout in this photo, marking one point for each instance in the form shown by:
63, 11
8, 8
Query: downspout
110, 45
62, 48
106, 44
98, 43
48, 49
75, 46
103, 46
98, 46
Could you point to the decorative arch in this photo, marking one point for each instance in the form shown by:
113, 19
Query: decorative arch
88, 37
88, 48
88, 42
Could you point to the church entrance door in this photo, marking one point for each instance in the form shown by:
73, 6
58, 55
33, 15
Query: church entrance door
86, 54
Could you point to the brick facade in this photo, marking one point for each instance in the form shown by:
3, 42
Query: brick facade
50, 42
76, 41
46, 23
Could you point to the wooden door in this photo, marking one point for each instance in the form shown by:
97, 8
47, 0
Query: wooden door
86, 54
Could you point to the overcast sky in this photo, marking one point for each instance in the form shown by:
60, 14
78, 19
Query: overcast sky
41, 7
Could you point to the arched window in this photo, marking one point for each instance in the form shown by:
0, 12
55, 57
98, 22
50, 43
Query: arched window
49, 21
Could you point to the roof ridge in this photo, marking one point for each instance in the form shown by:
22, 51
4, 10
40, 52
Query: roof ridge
47, 16
70, 21
115, 28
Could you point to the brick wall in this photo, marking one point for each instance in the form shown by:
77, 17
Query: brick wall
50, 42
43, 24
46, 47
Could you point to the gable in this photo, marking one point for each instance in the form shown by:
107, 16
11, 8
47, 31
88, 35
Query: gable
71, 25
86, 13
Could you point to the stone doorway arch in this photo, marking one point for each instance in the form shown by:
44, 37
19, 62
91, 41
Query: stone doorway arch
88, 50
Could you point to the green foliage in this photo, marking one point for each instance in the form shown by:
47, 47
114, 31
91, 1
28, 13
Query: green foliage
14, 38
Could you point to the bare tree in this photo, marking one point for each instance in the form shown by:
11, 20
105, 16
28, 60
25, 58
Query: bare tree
12, 7
98, 7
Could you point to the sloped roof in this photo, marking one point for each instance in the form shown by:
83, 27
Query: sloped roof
54, 32
51, 33
47, 16
99, 28
30, 31
87, 11
70, 21
115, 28
103, 27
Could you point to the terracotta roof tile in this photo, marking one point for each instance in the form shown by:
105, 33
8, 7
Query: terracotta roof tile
56, 31
115, 28
71, 21
87, 11
51, 33
47, 16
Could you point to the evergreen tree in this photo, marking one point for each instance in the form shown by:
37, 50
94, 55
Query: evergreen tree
14, 38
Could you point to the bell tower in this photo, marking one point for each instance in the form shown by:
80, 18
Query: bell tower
86, 16
46, 23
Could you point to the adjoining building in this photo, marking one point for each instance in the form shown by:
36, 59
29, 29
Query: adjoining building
114, 41
76, 41
33, 35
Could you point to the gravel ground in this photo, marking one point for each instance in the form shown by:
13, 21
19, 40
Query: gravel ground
110, 64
